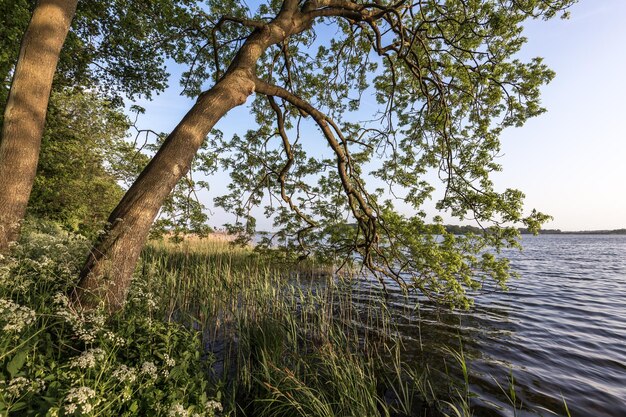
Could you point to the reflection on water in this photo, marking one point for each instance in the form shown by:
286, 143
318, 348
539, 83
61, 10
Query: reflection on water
560, 330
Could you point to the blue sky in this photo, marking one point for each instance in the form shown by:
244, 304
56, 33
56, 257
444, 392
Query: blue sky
571, 161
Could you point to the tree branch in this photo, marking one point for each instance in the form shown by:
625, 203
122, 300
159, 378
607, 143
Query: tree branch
282, 176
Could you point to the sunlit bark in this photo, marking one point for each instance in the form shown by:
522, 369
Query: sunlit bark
25, 112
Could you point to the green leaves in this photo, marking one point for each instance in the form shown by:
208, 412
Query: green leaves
16, 363
66, 363
446, 82
122, 45
84, 153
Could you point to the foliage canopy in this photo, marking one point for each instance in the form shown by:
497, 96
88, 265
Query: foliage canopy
355, 113
84, 156
118, 48
115, 49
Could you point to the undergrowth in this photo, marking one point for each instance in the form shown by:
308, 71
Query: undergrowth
56, 361
208, 330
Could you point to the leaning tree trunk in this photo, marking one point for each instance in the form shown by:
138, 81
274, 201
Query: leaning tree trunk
107, 273
25, 112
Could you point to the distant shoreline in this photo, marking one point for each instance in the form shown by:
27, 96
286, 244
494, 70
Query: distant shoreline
473, 229
461, 230
578, 232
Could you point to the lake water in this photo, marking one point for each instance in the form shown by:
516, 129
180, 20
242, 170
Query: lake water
560, 331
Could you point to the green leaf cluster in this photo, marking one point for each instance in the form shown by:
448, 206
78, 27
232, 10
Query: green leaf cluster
415, 102
84, 153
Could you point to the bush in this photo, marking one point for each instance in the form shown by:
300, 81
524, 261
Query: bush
57, 361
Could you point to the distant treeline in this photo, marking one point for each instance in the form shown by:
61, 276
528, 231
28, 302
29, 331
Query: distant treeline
579, 232
461, 230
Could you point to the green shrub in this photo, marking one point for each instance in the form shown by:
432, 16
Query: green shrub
57, 361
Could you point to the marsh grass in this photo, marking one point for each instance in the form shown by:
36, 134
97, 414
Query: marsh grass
286, 343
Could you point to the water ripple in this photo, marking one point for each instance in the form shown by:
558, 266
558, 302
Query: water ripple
560, 330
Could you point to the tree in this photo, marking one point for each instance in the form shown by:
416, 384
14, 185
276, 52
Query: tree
117, 48
84, 153
183, 213
12, 26
446, 82
25, 111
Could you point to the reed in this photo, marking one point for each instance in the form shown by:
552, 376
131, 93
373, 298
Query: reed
287, 343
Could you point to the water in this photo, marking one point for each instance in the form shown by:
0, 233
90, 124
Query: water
560, 331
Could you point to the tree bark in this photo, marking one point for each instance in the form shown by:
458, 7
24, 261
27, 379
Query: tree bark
108, 270
25, 112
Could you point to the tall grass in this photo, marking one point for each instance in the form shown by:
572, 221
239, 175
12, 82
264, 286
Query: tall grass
287, 344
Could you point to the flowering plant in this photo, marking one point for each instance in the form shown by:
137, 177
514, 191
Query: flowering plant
58, 361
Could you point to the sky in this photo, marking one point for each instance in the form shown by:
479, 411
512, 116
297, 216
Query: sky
571, 161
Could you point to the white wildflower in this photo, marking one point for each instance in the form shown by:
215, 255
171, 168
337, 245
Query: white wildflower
86, 335
61, 299
84, 397
85, 327
169, 361
97, 319
212, 406
80, 395
89, 358
150, 369
16, 317
90, 327
125, 374
119, 341
17, 386
177, 410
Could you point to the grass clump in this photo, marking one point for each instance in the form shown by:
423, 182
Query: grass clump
287, 345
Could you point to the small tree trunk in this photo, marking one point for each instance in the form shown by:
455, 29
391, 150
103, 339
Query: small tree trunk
107, 273
25, 112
